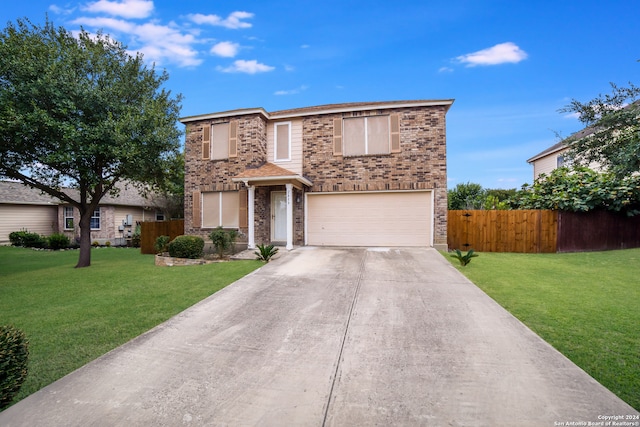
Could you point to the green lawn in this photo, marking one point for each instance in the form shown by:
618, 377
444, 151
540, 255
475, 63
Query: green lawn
72, 316
587, 305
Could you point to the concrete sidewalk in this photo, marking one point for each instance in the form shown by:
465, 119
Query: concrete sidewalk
340, 337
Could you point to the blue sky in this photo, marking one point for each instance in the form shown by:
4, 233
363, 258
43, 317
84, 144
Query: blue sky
509, 65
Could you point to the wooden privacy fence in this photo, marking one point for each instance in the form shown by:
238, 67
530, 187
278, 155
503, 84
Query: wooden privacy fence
150, 231
536, 231
529, 231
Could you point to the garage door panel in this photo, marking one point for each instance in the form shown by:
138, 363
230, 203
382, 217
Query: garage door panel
369, 219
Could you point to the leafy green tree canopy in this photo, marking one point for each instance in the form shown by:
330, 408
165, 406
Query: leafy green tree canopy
612, 136
580, 189
81, 112
472, 196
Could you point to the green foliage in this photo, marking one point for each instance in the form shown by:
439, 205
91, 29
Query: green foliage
466, 258
466, 196
223, 240
135, 237
58, 241
85, 113
579, 189
14, 355
162, 244
471, 196
27, 239
612, 136
265, 253
187, 247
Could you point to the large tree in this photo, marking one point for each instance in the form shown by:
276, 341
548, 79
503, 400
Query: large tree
612, 134
81, 112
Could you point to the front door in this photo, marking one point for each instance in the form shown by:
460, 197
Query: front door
278, 216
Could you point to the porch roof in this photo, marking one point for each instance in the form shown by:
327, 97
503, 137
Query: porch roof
270, 174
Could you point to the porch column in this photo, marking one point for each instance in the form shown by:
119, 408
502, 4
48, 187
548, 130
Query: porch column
289, 216
251, 244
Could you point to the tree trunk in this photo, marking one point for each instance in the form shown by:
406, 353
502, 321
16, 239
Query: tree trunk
85, 239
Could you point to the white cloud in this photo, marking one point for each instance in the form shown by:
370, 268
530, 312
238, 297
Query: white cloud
445, 70
108, 23
291, 91
234, 21
305, 46
225, 49
158, 43
248, 67
498, 54
60, 10
123, 8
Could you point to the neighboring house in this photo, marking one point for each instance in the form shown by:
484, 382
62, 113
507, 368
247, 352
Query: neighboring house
22, 207
549, 159
357, 174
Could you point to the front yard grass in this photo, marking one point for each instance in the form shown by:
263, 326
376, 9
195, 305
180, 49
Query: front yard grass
586, 305
71, 316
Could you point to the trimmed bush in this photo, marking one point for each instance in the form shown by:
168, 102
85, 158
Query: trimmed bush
187, 247
14, 354
162, 243
223, 240
27, 239
58, 241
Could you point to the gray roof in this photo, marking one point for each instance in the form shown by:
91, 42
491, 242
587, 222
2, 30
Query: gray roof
322, 109
16, 193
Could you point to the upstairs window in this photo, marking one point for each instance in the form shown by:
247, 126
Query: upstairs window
366, 136
219, 141
282, 142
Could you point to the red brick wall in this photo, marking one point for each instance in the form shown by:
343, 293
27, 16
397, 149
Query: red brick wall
420, 165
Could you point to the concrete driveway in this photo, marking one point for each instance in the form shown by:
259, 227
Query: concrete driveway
343, 337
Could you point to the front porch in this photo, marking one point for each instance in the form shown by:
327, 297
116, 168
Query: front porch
275, 205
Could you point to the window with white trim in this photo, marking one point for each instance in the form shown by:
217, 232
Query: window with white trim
220, 141
68, 217
366, 136
282, 142
95, 219
220, 208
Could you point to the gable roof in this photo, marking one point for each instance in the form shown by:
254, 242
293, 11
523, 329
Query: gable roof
269, 172
12, 192
321, 109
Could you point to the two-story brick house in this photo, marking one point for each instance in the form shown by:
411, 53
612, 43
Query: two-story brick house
357, 174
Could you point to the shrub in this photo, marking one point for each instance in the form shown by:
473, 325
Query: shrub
58, 241
464, 259
27, 239
14, 354
187, 247
265, 253
161, 245
107, 243
223, 240
135, 238
95, 243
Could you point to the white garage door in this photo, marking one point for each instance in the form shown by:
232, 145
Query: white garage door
369, 219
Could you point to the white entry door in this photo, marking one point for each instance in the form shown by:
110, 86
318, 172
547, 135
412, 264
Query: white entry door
278, 216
